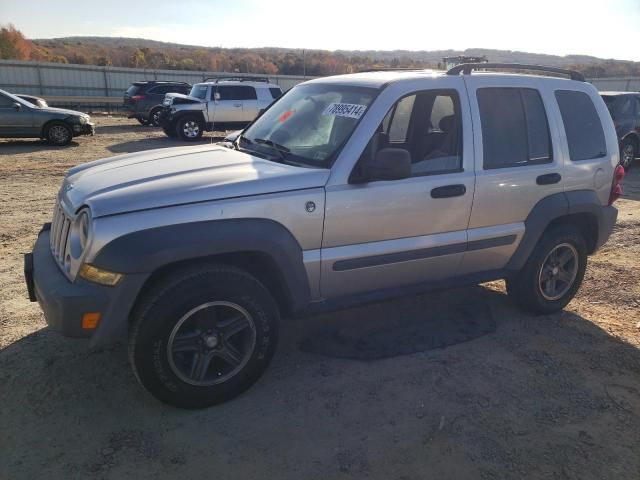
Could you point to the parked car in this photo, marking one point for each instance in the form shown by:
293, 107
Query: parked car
143, 100
625, 111
21, 119
226, 103
348, 189
36, 101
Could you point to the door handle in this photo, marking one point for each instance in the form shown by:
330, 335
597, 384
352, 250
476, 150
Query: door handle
237, 104
548, 179
449, 191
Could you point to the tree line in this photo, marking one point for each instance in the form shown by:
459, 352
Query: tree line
139, 53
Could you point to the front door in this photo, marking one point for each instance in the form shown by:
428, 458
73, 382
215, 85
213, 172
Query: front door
226, 104
15, 121
383, 234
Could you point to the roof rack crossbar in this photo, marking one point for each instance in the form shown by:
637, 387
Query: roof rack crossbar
237, 79
467, 68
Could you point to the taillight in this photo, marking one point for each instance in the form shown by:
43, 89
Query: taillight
137, 98
616, 185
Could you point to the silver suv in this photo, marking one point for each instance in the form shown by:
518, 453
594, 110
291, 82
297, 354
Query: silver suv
348, 189
225, 103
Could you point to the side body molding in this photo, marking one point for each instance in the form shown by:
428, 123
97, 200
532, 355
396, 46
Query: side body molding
147, 250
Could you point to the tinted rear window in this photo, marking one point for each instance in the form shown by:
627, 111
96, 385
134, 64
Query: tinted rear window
133, 89
585, 135
514, 124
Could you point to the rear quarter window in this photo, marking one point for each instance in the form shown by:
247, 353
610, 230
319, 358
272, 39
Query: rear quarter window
275, 92
582, 125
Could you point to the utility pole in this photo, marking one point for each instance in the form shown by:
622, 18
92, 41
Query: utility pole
304, 65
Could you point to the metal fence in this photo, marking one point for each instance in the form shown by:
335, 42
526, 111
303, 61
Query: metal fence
90, 86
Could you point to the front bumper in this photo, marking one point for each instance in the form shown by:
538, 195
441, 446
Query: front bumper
64, 303
86, 129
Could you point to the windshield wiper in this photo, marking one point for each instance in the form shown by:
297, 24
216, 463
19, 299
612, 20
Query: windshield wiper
281, 149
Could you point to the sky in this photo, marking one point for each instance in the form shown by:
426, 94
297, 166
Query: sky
607, 29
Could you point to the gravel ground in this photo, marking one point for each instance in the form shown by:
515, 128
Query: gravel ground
489, 394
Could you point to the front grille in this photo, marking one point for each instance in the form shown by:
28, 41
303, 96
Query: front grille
60, 226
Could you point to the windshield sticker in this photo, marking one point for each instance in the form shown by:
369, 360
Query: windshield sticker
350, 110
285, 116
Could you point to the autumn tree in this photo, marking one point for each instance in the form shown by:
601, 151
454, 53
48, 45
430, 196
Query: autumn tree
13, 45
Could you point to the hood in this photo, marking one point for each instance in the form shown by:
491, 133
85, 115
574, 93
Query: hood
179, 175
64, 111
182, 98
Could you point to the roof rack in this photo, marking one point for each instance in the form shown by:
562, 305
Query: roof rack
467, 68
392, 69
237, 79
162, 81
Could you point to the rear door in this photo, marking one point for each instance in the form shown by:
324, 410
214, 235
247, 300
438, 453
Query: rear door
227, 104
518, 163
250, 103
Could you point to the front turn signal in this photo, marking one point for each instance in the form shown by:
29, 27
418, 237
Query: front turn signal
98, 275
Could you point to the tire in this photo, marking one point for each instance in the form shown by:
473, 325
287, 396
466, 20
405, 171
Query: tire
143, 121
58, 134
529, 288
183, 346
189, 128
154, 116
169, 131
628, 152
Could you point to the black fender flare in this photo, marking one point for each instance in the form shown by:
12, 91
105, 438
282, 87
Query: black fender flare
148, 250
554, 207
181, 113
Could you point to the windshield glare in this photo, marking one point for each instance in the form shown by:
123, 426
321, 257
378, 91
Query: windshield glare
311, 121
198, 91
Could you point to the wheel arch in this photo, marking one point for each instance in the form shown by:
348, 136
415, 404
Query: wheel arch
52, 121
264, 248
581, 209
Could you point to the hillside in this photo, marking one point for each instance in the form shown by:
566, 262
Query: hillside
137, 52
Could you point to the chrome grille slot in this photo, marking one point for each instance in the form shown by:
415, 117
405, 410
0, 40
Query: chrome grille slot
60, 226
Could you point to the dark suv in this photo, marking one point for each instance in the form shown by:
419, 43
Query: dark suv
625, 111
143, 100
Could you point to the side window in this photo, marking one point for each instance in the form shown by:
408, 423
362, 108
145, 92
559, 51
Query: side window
228, 92
515, 131
409, 124
6, 102
247, 93
585, 135
275, 92
159, 90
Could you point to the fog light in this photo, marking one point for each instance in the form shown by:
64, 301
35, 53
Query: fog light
97, 275
90, 320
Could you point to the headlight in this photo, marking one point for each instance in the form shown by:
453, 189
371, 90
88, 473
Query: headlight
166, 101
82, 120
80, 234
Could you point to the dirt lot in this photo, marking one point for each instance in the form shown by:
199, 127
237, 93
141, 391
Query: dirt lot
469, 387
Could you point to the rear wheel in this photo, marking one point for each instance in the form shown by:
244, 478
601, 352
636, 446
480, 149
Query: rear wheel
154, 116
203, 336
58, 133
554, 272
189, 128
628, 152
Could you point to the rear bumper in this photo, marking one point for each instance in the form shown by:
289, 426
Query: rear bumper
606, 224
64, 303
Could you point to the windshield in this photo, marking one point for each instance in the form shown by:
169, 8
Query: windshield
199, 91
16, 98
309, 124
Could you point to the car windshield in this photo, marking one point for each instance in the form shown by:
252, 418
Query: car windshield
309, 124
199, 91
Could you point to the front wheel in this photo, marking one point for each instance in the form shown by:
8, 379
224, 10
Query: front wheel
203, 336
628, 153
554, 272
142, 121
189, 128
59, 134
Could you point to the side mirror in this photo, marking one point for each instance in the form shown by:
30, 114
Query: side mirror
17, 107
216, 96
389, 164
